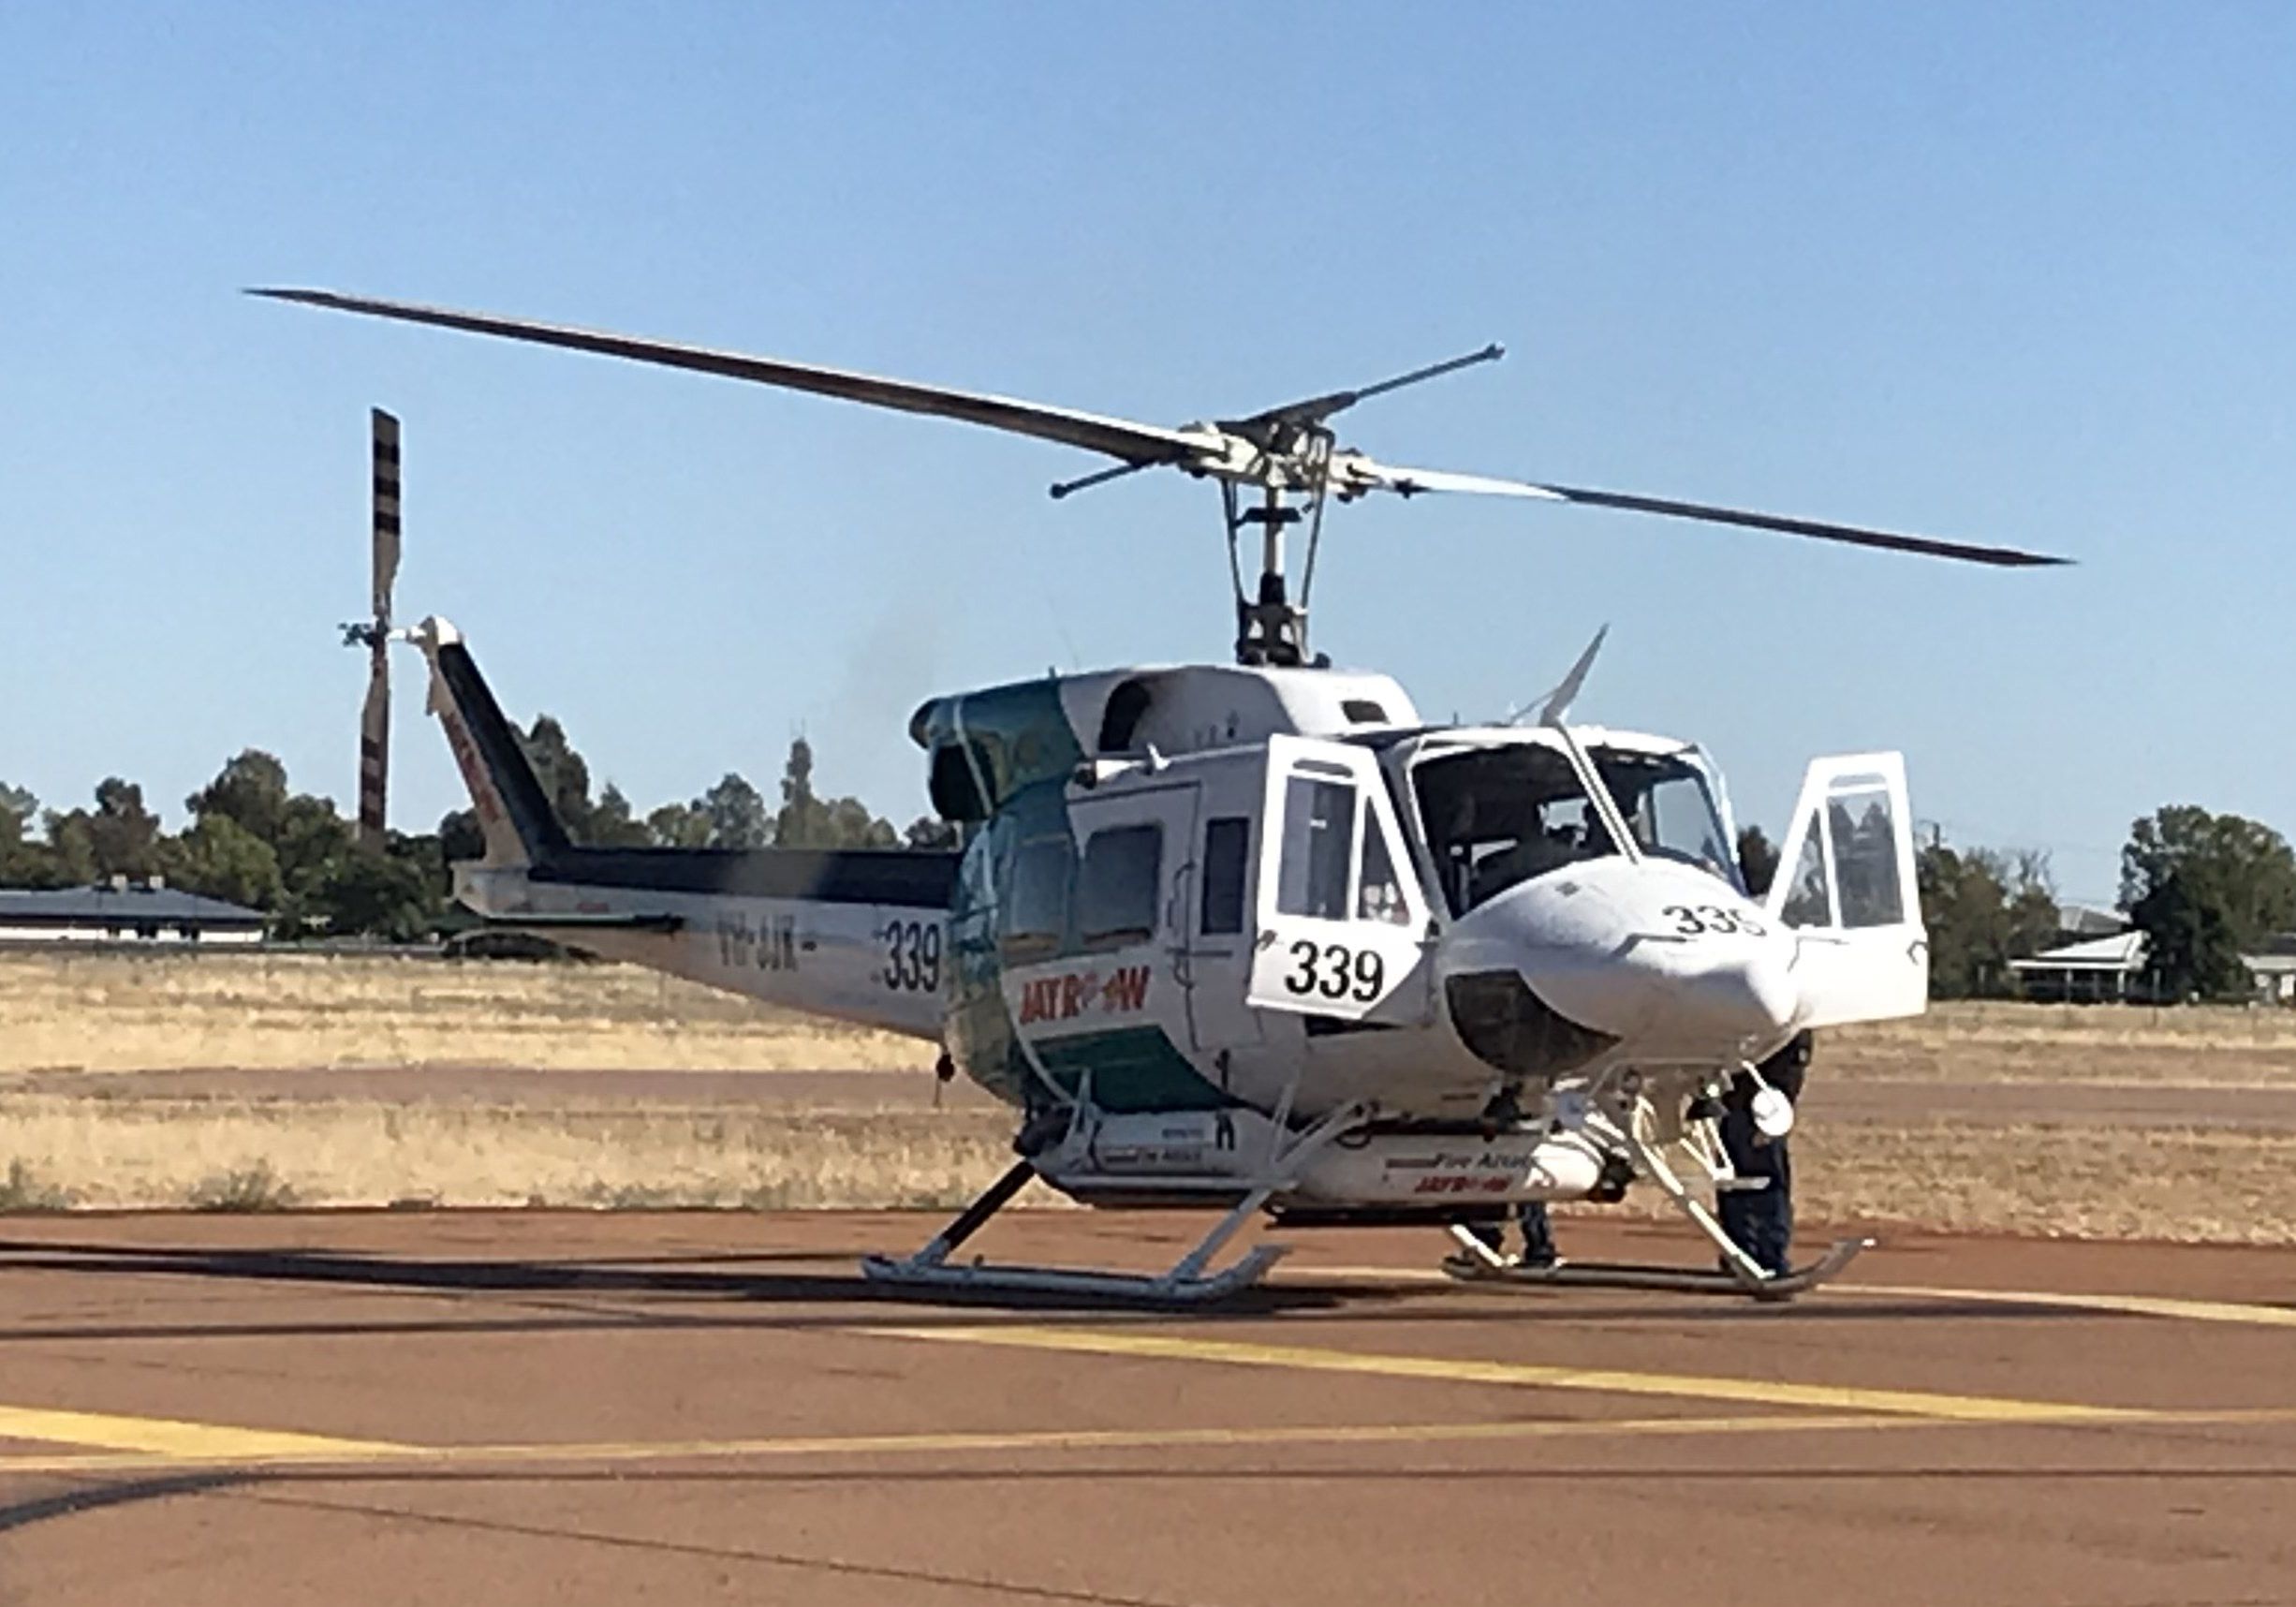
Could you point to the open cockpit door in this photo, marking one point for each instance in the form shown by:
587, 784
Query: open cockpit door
1340, 916
1846, 890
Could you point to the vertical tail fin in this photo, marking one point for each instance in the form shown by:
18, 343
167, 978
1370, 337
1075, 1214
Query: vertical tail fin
514, 813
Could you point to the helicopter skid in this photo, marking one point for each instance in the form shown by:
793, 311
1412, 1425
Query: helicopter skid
1177, 1286
1478, 1265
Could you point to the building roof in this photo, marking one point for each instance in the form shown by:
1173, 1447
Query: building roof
2126, 953
2122, 951
106, 905
2090, 921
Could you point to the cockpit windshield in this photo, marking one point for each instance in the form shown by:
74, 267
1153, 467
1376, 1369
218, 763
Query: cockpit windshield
1498, 816
1669, 803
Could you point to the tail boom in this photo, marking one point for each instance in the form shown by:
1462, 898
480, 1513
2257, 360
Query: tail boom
860, 937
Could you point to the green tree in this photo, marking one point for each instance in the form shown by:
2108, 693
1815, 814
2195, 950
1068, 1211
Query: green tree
219, 858
386, 895
736, 812
1984, 909
679, 825
71, 849
802, 821
2204, 889
563, 775
123, 834
19, 808
460, 837
612, 824
808, 821
250, 790
314, 843
929, 832
24, 859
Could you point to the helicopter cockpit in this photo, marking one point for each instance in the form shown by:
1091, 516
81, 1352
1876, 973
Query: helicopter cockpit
1498, 814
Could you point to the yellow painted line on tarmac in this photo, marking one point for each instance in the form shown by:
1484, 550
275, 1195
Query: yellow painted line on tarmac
1600, 1380
351, 1460
2123, 1305
169, 1437
545, 1454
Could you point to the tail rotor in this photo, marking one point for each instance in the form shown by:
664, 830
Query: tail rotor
375, 635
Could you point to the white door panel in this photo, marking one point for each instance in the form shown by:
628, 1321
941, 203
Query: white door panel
1845, 888
1340, 919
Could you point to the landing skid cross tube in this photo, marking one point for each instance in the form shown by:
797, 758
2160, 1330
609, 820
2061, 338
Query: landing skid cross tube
1186, 1283
1739, 1273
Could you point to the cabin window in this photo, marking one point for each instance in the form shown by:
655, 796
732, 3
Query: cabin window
1319, 849
1116, 892
1362, 712
1226, 850
1036, 898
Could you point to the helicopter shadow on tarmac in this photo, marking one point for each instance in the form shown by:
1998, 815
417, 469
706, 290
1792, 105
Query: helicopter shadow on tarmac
741, 1286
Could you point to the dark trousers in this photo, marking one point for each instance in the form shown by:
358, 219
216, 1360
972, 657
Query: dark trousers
1759, 1221
1537, 1233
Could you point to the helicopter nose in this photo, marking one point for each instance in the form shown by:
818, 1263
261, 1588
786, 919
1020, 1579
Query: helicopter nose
1743, 997
1667, 992
1613, 950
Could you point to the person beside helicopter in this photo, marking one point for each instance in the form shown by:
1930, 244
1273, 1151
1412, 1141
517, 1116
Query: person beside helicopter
1760, 1219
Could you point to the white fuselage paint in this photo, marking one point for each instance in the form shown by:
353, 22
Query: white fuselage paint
833, 960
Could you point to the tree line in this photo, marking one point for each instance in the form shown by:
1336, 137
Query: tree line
2204, 889
252, 840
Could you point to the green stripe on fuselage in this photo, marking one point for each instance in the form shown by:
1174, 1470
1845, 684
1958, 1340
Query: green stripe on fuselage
1133, 1068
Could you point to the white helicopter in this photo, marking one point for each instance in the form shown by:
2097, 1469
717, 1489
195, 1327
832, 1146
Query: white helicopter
1258, 936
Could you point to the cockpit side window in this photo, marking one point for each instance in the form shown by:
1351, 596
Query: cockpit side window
1498, 816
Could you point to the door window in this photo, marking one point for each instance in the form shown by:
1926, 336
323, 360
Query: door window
1319, 847
1116, 890
1381, 897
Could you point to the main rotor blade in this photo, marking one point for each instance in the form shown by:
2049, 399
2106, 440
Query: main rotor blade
1317, 409
1134, 443
1855, 536
1353, 474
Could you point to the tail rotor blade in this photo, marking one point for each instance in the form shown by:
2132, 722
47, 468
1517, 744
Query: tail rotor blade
374, 748
375, 717
386, 429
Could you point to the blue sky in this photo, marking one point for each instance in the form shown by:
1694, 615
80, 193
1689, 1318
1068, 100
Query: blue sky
2009, 273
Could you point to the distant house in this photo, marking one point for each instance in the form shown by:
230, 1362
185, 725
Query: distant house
2112, 970
2098, 970
122, 911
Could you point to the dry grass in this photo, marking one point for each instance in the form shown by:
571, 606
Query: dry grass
2179, 1186
57, 1153
114, 1011
2069, 1043
240, 1156
138, 1013
2187, 1184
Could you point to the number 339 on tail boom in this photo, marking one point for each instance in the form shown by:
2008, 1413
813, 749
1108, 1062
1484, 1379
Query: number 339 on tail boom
1257, 935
